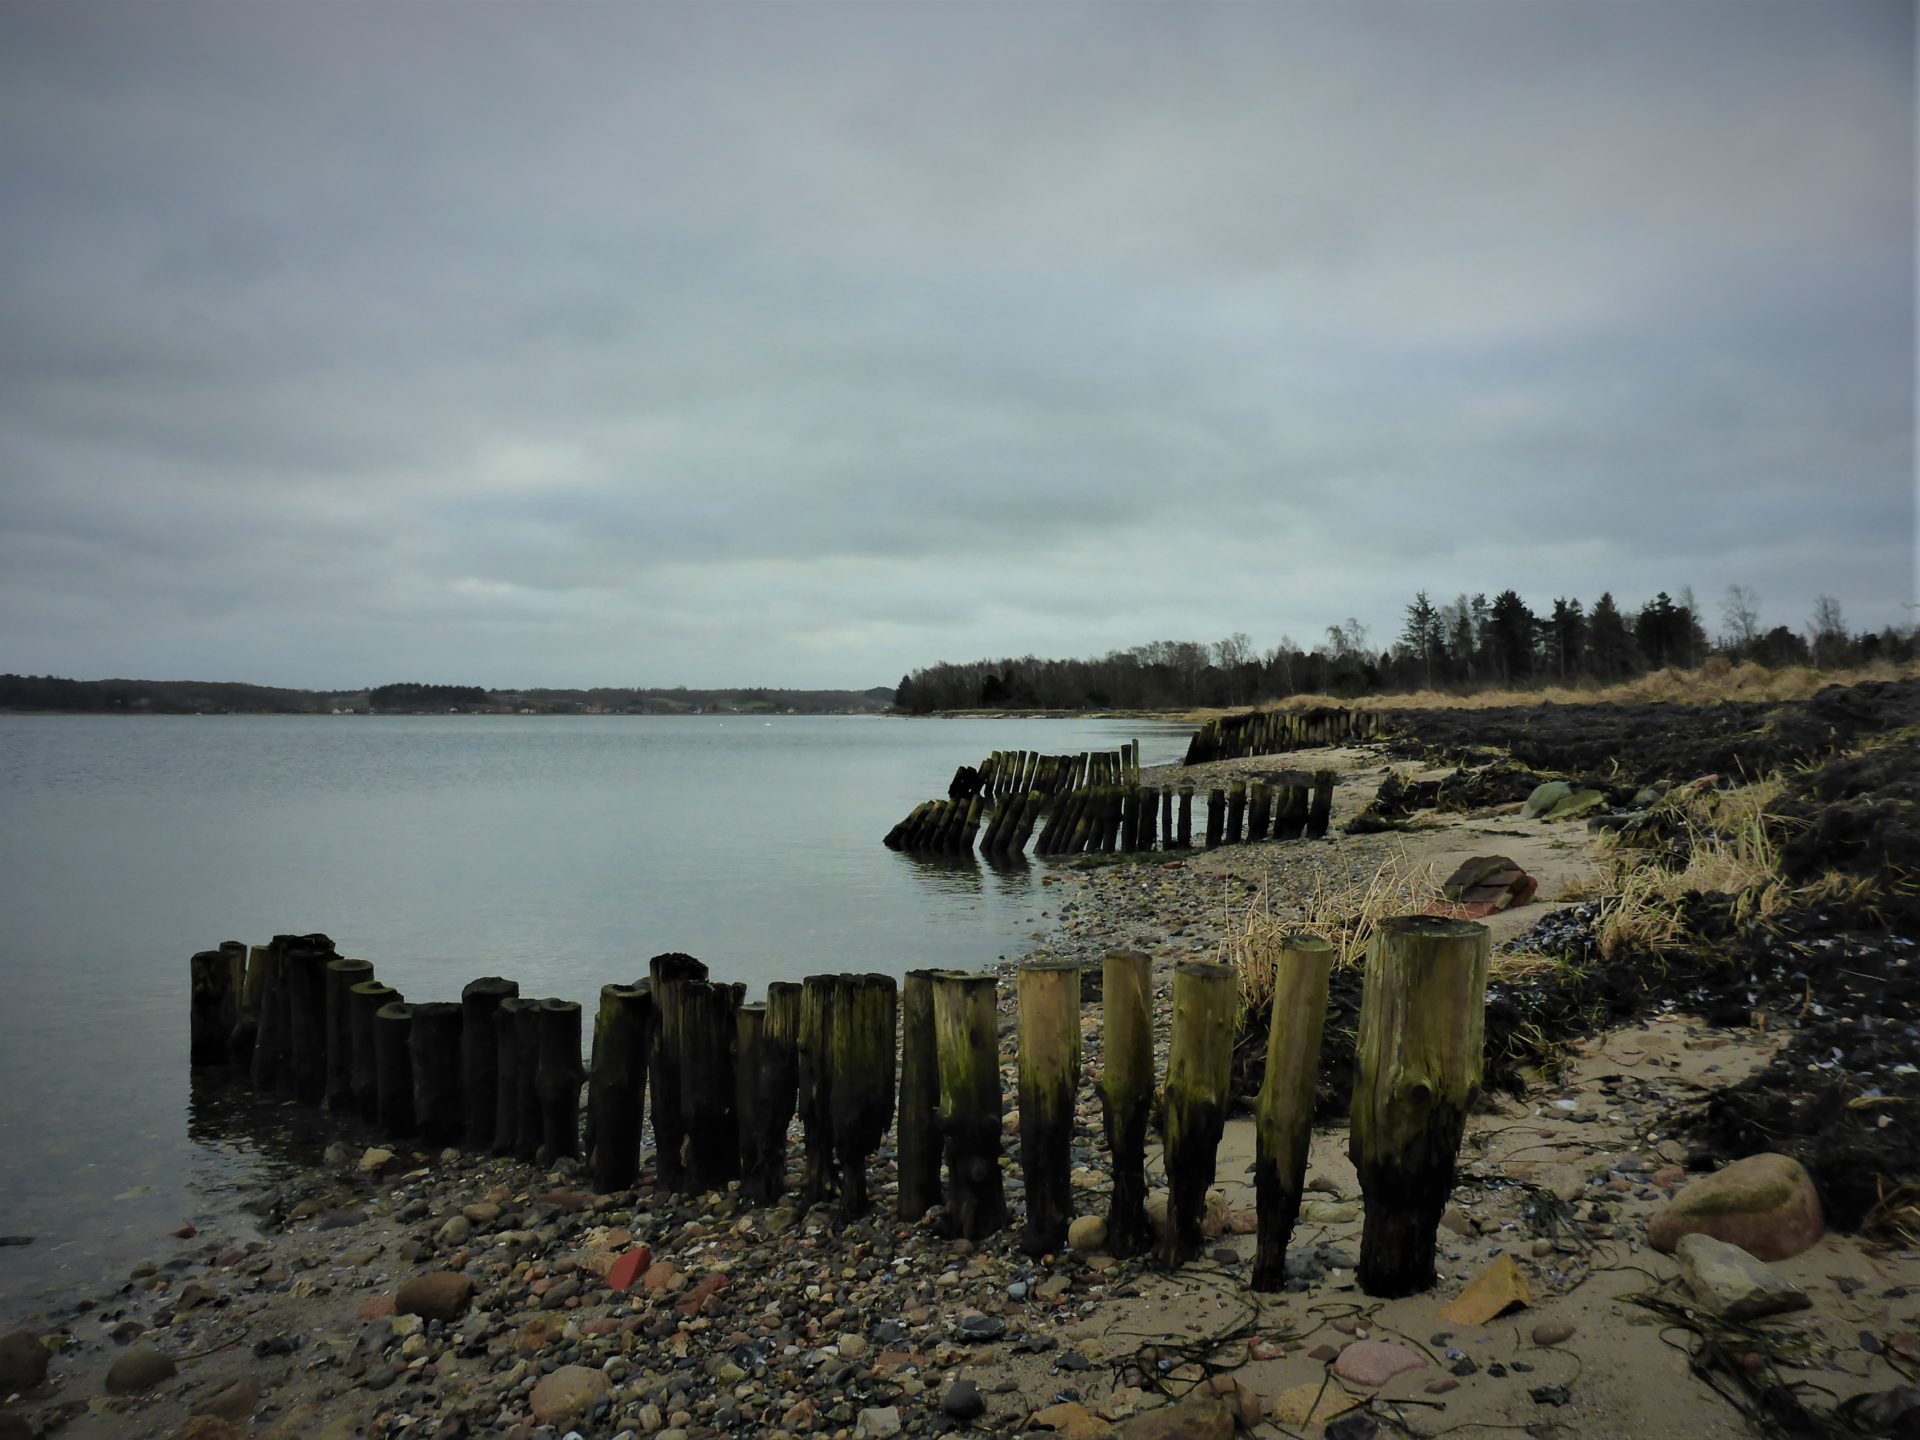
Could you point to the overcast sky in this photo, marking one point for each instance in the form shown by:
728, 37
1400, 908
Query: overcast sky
802, 344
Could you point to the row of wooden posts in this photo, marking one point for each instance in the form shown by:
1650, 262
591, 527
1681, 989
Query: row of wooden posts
503, 1073
1118, 818
1275, 732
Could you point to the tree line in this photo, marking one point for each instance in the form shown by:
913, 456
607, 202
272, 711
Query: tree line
1467, 643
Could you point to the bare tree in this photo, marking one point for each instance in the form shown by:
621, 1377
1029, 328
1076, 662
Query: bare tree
1740, 614
1827, 629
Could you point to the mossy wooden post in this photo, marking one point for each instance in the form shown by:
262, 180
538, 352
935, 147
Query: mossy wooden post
762, 1155
340, 976
1126, 1093
1049, 1038
1185, 833
708, 1033
866, 1013
393, 1064
210, 1020
439, 1111
617, 1088
363, 1002
305, 976
967, 1051
919, 1125
1216, 816
558, 1079
1283, 1114
1417, 1063
1322, 809
671, 974
1236, 811
814, 1051
480, 1055
783, 1058
1199, 1072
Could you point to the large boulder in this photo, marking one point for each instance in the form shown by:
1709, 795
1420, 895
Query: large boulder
141, 1368
437, 1295
1765, 1204
23, 1361
1731, 1283
568, 1394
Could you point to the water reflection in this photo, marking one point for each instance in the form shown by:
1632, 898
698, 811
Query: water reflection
259, 1134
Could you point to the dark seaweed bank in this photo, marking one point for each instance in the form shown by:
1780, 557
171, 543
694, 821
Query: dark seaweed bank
1832, 962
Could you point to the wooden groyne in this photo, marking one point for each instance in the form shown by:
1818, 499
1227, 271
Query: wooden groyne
856, 1057
1095, 803
1279, 732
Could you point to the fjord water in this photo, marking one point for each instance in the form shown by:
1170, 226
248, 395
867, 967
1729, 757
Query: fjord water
560, 851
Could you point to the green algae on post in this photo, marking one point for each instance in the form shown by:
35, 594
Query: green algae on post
919, 1124
967, 1051
617, 1086
1049, 1040
1199, 1074
1283, 1114
865, 1020
1126, 1094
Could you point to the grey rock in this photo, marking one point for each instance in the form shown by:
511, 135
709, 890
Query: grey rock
141, 1368
1733, 1284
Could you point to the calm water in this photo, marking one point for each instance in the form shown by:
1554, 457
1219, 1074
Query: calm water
560, 851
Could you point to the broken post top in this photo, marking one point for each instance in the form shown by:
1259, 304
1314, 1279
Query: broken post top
489, 986
1432, 927
675, 966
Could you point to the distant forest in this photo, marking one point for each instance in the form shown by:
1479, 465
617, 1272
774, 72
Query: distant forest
1468, 643
194, 697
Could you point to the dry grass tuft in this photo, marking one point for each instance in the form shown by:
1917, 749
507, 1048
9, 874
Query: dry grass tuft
1895, 1217
1720, 845
1346, 912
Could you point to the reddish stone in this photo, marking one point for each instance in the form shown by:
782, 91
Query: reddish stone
697, 1298
629, 1268
185, 1232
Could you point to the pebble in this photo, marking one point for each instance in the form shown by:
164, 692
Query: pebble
141, 1368
963, 1401
1374, 1362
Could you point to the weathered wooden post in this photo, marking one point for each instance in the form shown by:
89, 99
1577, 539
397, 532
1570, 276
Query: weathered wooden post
480, 1055
1417, 1066
214, 1008
815, 1091
529, 1117
919, 1125
339, 977
1322, 810
1216, 816
1199, 1073
865, 1021
1126, 1093
268, 981
1259, 811
246, 1025
558, 1079
363, 1002
708, 1032
1236, 811
967, 1046
439, 1111
1185, 841
782, 1067
304, 973
762, 1146
616, 1091
1283, 1114
393, 1063
1049, 1038
671, 974
509, 1081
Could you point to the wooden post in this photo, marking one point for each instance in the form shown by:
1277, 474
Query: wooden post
304, 969
508, 1103
339, 978
865, 1035
1322, 809
919, 1127
1259, 811
781, 1075
1049, 1038
267, 979
616, 1093
213, 1008
1199, 1072
1216, 816
557, 1081
1283, 1115
438, 1108
1417, 1066
1236, 811
708, 1032
393, 1065
1186, 818
479, 1055
672, 973
762, 1152
363, 1001
529, 1122
1126, 1094
815, 1087
967, 1049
